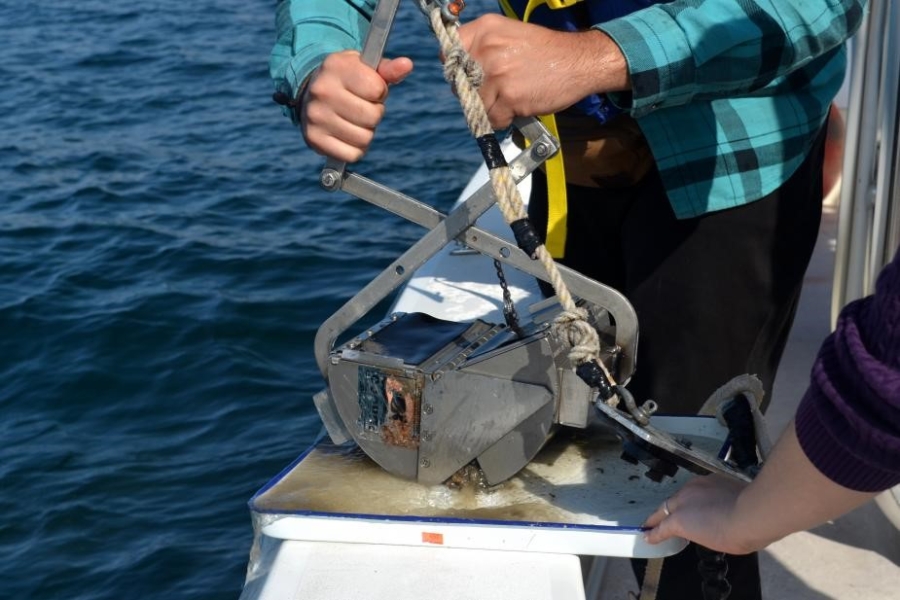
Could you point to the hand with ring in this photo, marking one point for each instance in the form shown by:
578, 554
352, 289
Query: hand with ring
701, 512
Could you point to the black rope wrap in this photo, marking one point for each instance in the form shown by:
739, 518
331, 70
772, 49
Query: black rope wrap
591, 373
526, 236
490, 150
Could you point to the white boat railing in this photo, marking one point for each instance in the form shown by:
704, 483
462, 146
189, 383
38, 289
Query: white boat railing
869, 213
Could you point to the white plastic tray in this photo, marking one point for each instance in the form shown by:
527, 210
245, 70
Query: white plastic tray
577, 497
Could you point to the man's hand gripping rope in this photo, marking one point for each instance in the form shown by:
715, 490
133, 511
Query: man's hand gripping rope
465, 75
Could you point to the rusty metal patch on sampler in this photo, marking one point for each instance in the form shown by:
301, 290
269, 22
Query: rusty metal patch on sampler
389, 404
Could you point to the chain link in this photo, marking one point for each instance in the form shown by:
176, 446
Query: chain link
509, 308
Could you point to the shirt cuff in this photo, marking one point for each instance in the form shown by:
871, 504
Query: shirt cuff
307, 58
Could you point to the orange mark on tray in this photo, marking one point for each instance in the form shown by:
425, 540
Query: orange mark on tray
432, 538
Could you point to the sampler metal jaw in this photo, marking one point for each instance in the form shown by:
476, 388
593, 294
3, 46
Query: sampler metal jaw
424, 397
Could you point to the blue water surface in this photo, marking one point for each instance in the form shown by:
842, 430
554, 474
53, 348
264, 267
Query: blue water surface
166, 256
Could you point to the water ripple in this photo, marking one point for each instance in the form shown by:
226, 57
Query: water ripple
167, 257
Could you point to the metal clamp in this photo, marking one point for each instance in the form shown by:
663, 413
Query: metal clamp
450, 9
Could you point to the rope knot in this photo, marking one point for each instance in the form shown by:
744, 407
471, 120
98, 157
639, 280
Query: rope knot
573, 327
458, 59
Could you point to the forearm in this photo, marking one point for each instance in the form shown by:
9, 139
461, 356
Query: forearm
600, 65
790, 494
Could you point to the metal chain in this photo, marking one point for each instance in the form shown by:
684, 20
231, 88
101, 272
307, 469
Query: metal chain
509, 308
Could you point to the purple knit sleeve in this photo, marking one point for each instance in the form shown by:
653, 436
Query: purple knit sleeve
848, 423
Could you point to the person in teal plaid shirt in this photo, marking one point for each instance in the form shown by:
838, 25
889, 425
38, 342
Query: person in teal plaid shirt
693, 142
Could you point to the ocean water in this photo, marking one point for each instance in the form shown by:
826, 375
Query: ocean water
166, 257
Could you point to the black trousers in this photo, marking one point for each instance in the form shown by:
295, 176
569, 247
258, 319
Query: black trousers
715, 297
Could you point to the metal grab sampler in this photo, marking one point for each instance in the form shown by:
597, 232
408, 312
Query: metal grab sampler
425, 398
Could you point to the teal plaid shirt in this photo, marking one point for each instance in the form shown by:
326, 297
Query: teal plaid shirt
730, 94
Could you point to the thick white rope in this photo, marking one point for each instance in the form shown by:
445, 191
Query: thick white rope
465, 75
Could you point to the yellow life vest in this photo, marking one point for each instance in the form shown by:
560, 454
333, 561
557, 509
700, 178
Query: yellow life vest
557, 198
